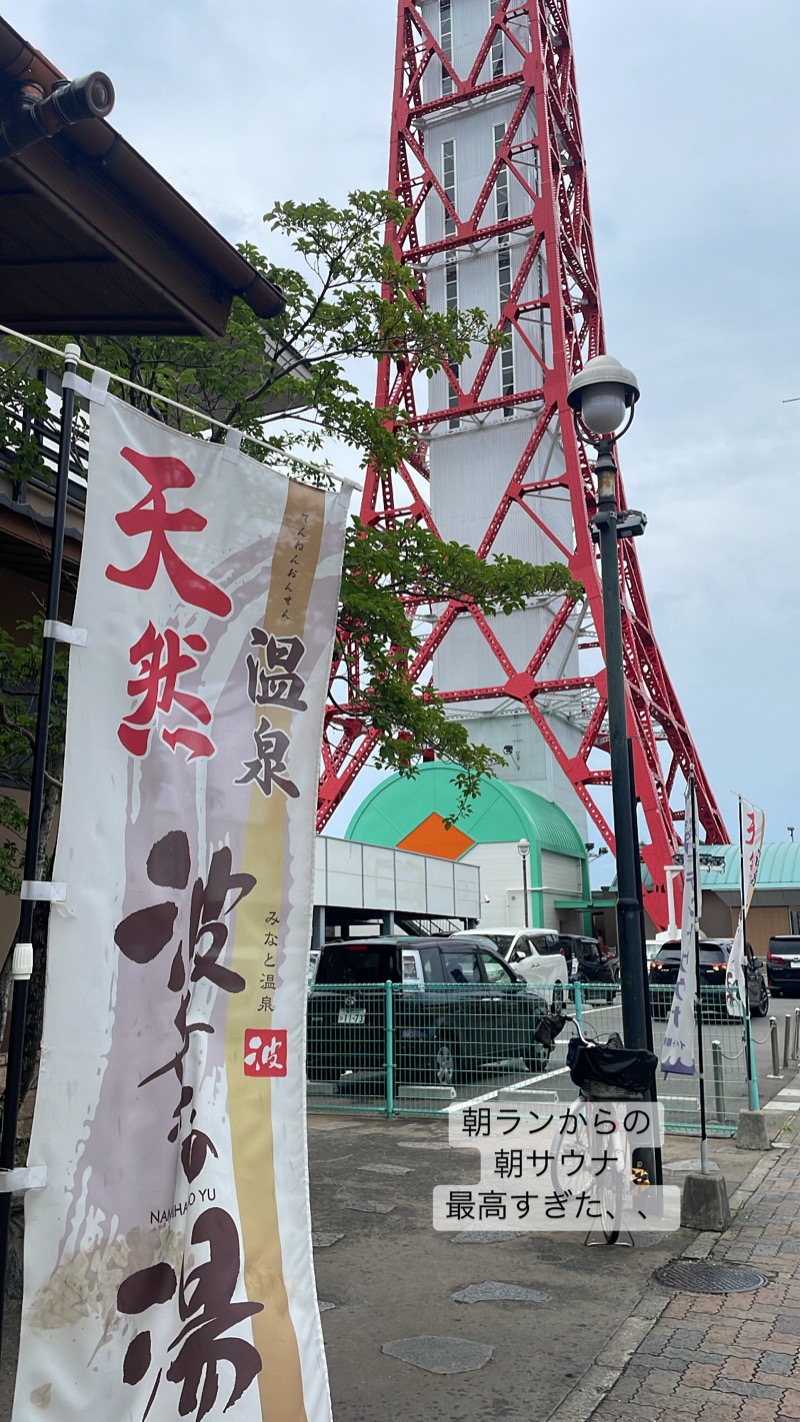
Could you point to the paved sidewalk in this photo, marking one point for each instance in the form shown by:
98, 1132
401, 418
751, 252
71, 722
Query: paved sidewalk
727, 1357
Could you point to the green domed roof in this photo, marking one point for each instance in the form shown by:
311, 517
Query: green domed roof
501, 813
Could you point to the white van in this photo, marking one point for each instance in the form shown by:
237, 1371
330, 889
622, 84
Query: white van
534, 953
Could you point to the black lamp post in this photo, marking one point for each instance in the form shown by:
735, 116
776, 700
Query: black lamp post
524, 849
600, 396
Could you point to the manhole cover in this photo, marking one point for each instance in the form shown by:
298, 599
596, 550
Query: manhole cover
698, 1277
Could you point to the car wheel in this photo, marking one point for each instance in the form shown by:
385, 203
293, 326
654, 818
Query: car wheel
444, 1066
761, 1008
558, 997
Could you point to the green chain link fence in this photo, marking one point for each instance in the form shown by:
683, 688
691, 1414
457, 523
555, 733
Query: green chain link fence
417, 1050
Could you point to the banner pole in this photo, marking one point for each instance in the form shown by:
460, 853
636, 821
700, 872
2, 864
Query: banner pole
752, 1086
699, 995
19, 998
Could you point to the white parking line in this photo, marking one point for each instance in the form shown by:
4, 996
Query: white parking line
499, 1090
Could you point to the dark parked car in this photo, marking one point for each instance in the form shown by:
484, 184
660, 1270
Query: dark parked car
714, 955
783, 964
586, 961
456, 1007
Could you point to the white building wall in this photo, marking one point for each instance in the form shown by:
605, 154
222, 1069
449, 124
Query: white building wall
501, 884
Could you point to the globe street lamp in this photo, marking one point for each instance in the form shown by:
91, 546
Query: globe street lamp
602, 397
524, 849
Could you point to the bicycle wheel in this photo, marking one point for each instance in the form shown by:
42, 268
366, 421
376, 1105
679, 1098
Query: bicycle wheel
610, 1197
570, 1166
576, 1151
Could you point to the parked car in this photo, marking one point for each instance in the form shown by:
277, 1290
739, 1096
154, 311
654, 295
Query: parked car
714, 954
588, 964
783, 963
439, 1032
534, 953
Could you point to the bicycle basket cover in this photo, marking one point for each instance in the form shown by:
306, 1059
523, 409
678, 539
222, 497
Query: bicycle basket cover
623, 1068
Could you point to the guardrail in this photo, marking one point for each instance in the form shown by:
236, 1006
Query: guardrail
416, 1050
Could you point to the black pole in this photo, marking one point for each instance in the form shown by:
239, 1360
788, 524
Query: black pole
630, 917
652, 1160
698, 989
19, 998
524, 859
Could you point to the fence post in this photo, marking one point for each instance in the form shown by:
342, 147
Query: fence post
796, 1036
775, 1074
389, 1050
578, 990
753, 1097
719, 1086
787, 1031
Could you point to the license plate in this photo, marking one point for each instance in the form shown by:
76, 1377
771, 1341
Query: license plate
352, 1019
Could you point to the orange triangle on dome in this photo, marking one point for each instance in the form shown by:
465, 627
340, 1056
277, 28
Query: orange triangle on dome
433, 837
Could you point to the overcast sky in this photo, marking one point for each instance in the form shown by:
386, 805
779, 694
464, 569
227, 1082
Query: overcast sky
691, 117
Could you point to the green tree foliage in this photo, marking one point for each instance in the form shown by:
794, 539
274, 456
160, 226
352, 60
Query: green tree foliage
294, 392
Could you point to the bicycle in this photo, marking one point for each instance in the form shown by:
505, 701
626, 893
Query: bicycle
603, 1072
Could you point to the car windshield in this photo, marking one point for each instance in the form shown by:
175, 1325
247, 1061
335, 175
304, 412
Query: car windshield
717, 954
358, 963
501, 941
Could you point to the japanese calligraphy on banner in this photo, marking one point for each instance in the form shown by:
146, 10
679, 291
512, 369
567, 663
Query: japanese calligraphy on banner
168, 1264
678, 1049
751, 828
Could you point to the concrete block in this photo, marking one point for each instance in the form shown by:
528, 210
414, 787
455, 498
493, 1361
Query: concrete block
751, 1133
704, 1203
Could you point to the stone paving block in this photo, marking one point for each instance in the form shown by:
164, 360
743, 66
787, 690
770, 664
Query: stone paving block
660, 1380
720, 1410
790, 1407
686, 1336
776, 1362
747, 1389
721, 1333
788, 1323
700, 1375
740, 1368
756, 1410
610, 1411
687, 1400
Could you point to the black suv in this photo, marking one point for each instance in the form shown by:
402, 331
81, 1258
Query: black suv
455, 1007
714, 954
783, 963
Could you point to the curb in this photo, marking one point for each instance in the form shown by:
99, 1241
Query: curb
586, 1396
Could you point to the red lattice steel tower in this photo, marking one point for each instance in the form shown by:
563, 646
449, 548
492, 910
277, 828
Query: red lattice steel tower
487, 156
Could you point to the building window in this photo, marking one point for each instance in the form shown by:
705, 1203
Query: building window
497, 52
446, 41
449, 182
451, 286
501, 182
503, 271
452, 398
507, 376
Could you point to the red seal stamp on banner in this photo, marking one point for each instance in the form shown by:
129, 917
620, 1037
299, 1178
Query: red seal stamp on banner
264, 1052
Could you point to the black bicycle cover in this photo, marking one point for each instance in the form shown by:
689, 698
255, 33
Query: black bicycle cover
625, 1068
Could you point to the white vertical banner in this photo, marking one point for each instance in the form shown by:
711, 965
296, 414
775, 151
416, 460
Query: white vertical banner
678, 1050
168, 1261
751, 842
